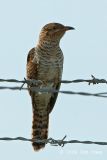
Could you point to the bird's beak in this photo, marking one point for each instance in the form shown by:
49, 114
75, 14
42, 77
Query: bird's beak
67, 28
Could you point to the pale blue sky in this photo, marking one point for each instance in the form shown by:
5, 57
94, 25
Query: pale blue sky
85, 52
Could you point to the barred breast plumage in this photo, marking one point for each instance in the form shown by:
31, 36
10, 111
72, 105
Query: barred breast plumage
50, 61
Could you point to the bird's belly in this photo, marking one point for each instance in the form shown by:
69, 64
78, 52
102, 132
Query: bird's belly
50, 72
47, 76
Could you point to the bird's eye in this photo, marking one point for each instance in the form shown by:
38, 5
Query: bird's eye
54, 27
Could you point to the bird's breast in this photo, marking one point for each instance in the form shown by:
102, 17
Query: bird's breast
50, 65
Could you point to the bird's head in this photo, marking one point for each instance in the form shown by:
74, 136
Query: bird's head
54, 31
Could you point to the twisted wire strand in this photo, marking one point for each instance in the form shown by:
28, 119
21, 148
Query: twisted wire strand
45, 89
93, 80
62, 142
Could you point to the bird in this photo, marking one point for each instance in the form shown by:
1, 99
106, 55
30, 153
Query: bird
45, 63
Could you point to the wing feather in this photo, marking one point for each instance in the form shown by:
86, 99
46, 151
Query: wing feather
53, 99
31, 67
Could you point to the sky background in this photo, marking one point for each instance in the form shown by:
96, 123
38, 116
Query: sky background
85, 53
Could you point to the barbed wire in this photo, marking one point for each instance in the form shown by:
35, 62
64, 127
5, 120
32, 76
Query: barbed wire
46, 90
52, 141
33, 81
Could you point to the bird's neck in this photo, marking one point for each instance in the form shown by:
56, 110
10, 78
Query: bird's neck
48, 44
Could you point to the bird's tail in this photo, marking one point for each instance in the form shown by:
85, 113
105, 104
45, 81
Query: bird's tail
39, 125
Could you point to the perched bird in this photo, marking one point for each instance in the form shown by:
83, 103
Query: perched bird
45, 63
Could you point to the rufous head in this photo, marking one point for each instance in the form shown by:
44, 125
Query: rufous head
54, 31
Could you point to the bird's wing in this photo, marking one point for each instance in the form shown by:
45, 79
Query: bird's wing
53, 98
31, 67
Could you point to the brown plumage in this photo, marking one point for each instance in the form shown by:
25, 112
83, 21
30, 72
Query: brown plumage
45, 63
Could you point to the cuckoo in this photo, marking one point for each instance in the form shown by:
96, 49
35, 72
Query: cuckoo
45, 63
